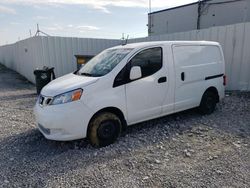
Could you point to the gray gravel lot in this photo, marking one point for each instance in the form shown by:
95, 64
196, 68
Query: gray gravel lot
181, 150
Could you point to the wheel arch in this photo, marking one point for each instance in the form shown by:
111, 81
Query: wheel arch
214, 90
113, 110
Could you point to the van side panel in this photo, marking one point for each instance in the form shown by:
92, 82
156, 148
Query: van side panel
197, 67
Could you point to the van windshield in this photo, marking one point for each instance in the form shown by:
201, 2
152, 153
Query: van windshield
104, 62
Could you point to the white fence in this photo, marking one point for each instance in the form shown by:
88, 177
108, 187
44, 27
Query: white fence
235, 41
58, 52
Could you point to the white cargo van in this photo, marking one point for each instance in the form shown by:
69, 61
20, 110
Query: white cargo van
128, 84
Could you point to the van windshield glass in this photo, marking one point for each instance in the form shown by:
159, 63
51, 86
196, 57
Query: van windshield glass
104, 62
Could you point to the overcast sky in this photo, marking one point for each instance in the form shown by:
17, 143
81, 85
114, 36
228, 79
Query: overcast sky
77, 18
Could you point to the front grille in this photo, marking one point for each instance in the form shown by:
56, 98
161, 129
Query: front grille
48, 101
41, 99
45, 101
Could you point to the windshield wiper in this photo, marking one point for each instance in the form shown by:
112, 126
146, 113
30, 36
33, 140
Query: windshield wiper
86, 74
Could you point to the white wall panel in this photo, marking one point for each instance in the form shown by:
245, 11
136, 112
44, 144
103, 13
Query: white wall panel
237, 56
59, 52
245, 68
235, 41
55, 52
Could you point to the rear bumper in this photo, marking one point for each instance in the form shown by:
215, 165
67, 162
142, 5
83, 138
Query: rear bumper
63, 122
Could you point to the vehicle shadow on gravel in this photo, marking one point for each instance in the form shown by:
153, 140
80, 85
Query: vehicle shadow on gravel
31, 153
145, 133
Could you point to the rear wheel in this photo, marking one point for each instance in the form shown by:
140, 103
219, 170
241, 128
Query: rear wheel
208, 103
104, 129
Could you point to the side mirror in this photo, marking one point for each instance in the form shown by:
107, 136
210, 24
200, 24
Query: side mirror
135, 73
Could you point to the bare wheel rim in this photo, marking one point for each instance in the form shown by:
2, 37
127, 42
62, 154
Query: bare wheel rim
107, 130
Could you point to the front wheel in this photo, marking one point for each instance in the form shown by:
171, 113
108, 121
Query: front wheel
208, 103
104, 129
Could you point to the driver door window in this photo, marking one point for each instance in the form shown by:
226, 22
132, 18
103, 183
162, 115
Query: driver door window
150, 61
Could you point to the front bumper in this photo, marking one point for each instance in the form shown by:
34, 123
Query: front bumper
63, 122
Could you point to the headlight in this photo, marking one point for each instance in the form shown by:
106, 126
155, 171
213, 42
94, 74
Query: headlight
67, 97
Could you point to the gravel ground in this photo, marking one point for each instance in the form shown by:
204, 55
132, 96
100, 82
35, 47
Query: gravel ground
181, 150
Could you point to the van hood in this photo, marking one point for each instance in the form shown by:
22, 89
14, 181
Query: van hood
67, 83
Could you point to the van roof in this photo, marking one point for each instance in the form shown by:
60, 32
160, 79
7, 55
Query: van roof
145, 44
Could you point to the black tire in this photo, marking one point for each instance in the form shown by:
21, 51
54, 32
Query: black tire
208, 103
104, 129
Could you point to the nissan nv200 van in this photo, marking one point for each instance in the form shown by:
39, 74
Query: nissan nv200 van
128, 84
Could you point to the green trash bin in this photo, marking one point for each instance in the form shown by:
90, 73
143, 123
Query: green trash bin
43, 77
